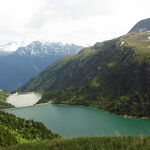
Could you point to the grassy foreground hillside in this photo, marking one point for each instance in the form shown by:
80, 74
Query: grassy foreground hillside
99, 143
3, 103
14, 130
113, 75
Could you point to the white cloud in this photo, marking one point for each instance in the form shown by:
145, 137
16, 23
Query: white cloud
78, 21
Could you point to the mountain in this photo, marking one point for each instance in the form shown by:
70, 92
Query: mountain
19, 66
12, 46
113, 75
141, 26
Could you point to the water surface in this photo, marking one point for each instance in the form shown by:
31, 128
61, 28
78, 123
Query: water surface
74, 121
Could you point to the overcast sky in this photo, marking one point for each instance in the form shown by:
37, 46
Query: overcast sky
71, 21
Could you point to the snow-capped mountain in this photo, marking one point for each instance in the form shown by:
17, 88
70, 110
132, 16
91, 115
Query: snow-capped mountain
12, 46
19, 66
45, 49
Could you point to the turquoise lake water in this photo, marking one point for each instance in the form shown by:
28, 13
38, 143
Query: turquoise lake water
76, 121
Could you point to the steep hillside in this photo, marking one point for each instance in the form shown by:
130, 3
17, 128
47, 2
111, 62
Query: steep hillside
141, 26
19, 66
113, 75
14, 130
3, 103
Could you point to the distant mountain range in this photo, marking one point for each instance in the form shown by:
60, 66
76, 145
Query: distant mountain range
141, 26
40, 49
19, 66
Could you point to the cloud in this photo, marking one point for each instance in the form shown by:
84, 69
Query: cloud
64, 10
78, 21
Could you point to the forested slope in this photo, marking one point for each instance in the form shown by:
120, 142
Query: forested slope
14, 130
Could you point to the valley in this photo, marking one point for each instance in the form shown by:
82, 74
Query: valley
112, 75
66, 97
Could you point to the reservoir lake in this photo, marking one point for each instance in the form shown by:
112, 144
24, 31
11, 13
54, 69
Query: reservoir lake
78, 121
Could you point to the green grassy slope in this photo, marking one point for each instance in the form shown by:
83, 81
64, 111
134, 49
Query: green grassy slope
139, 41
14, 130
3, 103
113, 75
99, 143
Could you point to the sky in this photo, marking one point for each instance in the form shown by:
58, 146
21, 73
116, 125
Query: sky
82, 22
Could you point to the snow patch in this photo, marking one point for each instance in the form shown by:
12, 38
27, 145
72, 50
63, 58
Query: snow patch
141, 30
33, 53
122, 43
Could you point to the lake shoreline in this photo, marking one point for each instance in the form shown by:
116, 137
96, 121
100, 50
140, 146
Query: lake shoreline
124, 116
25, 106
50, 102
69, 104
